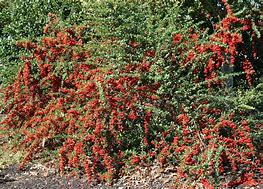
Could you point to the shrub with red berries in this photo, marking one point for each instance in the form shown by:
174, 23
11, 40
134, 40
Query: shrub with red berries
108, 94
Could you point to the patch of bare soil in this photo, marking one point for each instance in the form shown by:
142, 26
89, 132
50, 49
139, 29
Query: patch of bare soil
38, 176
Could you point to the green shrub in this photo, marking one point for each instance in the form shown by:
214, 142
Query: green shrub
140, 81
25, 19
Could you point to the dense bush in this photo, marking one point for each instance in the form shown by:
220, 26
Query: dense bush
25, 19
140, 81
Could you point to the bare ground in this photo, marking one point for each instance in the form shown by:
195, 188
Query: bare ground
38, 176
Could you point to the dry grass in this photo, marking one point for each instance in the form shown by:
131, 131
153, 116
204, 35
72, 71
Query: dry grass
7, 155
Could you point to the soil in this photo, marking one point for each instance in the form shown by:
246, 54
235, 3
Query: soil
41, 177
38, 176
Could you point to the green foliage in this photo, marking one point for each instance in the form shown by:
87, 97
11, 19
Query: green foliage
25, 19
145, 82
